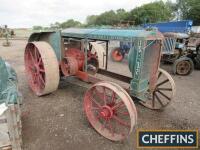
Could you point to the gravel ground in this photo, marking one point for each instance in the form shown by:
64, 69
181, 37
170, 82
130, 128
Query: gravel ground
57, 121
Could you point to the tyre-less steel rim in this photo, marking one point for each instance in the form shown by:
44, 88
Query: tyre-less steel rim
42, 68
163, 93
110, 110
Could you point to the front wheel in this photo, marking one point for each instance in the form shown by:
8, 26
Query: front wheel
163, 94
110, 110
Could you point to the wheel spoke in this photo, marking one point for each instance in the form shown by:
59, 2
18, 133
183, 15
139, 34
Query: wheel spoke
95, 108
100, 95
120, 121
30, 67
41, 79
123, 113
35, 53
164, 95
159, 75
118, 105
42, 70
41, 85
110, 128
164, 89
153, 100
104, 124
40, 61
34, 78
95, 102
104, 95
113, 98
33, 60
163, 82
159, 100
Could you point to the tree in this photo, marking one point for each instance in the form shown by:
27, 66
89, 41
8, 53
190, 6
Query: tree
91, 20
152, 12
189, 10
70, 23
37, 28
107, 18
55, 25
66, 24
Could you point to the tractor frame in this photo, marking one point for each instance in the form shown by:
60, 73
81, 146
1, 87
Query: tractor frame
79, 53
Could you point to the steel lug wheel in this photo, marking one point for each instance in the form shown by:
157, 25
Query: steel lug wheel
110, 110
41, 67
163, 93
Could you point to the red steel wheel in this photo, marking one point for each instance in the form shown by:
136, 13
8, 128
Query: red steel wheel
42, 68
110, 110
163, 94
116, 55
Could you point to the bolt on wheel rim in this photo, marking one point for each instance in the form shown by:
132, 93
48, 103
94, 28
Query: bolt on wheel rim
163, 93
110, 111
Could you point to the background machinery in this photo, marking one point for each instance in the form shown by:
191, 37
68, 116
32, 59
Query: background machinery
175, 49
185, 56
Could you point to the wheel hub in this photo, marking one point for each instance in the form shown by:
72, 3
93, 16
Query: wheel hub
34, 69
106, 112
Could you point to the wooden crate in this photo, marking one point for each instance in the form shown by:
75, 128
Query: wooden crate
10, 128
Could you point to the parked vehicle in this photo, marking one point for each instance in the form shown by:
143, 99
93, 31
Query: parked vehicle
108, 107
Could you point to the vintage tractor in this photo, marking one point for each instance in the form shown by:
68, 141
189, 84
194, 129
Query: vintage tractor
175, 51
82, 53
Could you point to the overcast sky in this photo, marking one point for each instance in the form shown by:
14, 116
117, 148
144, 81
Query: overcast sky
27, 13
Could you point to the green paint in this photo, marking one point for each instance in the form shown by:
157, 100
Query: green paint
8, 84
53, 38
139, 84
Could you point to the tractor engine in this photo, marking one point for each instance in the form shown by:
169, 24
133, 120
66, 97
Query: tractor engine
75, 60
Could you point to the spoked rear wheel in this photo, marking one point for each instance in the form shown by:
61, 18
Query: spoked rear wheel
42, 68
110, 110
163, 93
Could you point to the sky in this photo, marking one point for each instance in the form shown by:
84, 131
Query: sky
28, 13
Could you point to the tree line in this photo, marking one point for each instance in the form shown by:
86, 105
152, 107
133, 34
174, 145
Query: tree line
157, 11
